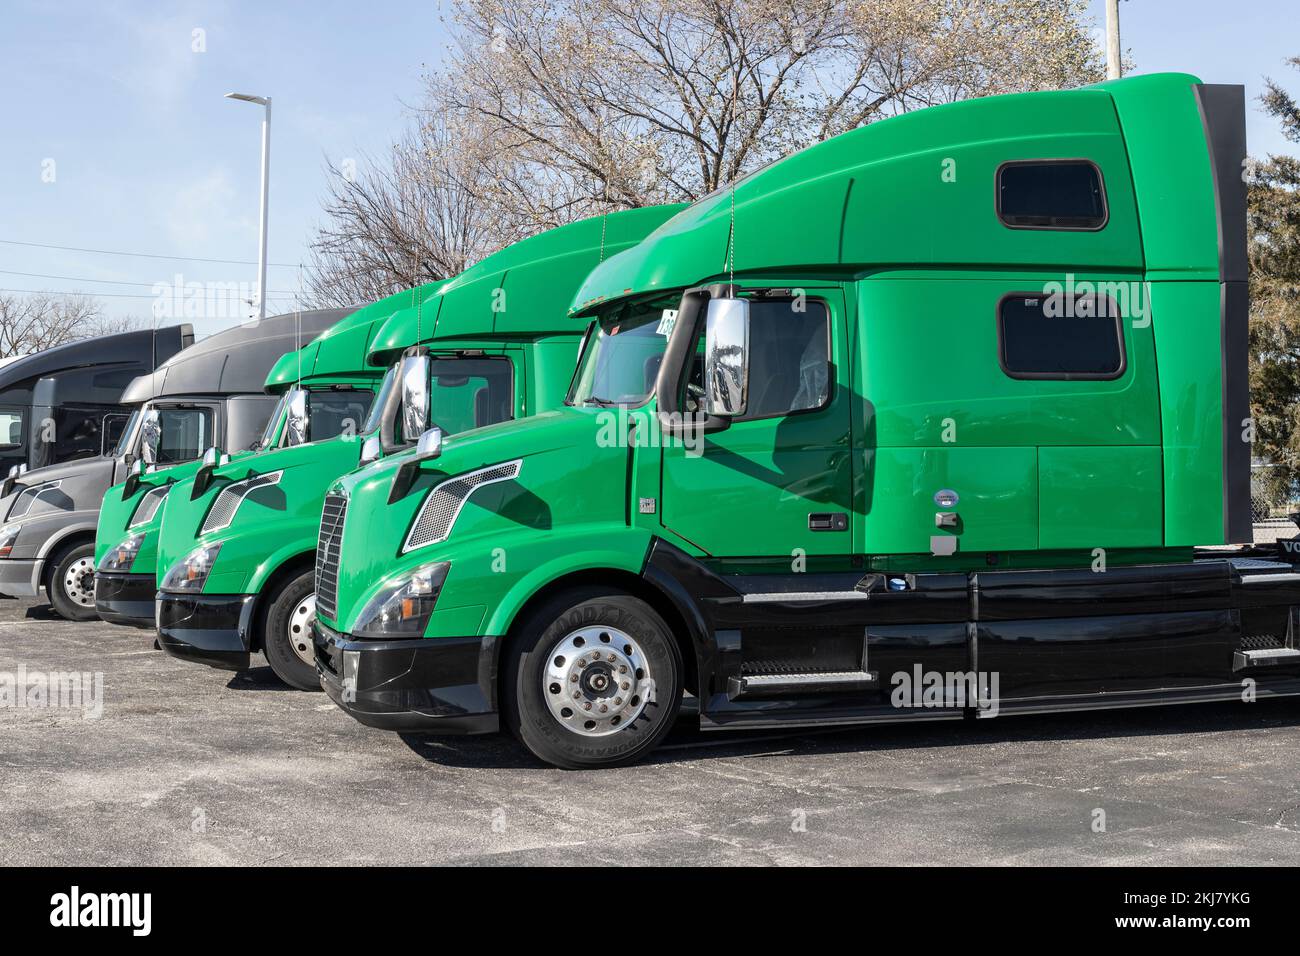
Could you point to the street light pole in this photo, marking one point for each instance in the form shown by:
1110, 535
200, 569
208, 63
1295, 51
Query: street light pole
265, 102
1112, 40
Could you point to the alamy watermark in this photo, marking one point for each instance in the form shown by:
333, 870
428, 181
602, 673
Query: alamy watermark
922, 689
53, 690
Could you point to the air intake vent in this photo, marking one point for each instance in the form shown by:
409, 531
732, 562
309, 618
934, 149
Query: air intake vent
442, 507
149, 505
231, 497
327, 556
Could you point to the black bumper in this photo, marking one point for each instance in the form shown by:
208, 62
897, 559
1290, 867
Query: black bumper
444, 685
212, 629
125, 598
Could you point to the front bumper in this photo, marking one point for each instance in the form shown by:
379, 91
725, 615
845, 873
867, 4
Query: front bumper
443, 685
20, 578
212, 629
125, 598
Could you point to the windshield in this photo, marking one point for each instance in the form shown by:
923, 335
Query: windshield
622, 358
273, 423
128, 435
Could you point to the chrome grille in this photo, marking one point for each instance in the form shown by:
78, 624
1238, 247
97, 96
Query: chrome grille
148, 506
231, 497
332, 516
439, 511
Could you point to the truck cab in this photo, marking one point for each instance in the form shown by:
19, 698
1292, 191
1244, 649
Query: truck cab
907, 459
316, 393
63, 403
238, 558
51, 513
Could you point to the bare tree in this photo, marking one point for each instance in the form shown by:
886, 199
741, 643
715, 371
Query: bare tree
603, 103
37, 321
553, 110
425, 214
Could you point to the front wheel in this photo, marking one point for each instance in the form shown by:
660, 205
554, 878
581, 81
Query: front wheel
286, 633
593, 679
71, 586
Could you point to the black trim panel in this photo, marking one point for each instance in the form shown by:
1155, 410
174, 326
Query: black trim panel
212, 629
126, 599
440, 685
1223, 114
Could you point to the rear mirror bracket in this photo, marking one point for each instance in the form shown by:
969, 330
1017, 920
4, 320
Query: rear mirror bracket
427, 448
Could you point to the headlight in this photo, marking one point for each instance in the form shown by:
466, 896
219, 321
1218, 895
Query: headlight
8, 535
123, 556
403, 609
191, 572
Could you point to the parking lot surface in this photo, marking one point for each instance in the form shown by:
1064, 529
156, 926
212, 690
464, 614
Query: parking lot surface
188, 765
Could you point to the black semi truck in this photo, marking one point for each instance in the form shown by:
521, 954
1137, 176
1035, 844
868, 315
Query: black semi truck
64, 403
210, 394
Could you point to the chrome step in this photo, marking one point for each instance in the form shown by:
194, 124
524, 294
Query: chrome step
1265, 657
823, 682
796, 597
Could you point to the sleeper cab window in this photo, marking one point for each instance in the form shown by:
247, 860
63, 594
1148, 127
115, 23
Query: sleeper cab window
1051, 194
1060, 336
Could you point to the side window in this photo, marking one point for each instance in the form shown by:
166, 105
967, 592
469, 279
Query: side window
11, 427
247, 417
467, 393
337, 411
789, 358
114, 426
186, 434
1060, 337
1051, 194
76, 433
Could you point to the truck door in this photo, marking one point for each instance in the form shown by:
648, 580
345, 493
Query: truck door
776, 484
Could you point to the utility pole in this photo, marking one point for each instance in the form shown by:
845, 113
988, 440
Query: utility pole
265, 102
1112, 40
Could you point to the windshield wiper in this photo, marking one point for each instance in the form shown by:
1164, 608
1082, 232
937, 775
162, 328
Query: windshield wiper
597, 400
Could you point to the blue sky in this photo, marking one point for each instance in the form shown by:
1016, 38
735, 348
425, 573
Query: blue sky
148, 156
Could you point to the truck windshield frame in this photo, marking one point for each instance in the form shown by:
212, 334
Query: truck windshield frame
273, 423
126, 444
376, 415
618, 354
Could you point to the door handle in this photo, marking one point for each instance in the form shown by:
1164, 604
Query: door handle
828, 521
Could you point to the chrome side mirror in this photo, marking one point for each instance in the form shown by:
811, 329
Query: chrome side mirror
726, 357
371, 449
414, 377
150, 437
297, 420
430, 444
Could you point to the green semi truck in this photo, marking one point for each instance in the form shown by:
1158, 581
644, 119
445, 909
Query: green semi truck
876, 434
325, 389
237, 550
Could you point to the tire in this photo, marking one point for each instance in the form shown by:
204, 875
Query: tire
286, 625
71, 584
550, 660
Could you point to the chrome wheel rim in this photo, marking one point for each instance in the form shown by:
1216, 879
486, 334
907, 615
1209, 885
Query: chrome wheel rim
79, 582
299, 629
597, 681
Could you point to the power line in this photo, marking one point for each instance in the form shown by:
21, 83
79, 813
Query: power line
42, 275
279, 297
146, 255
